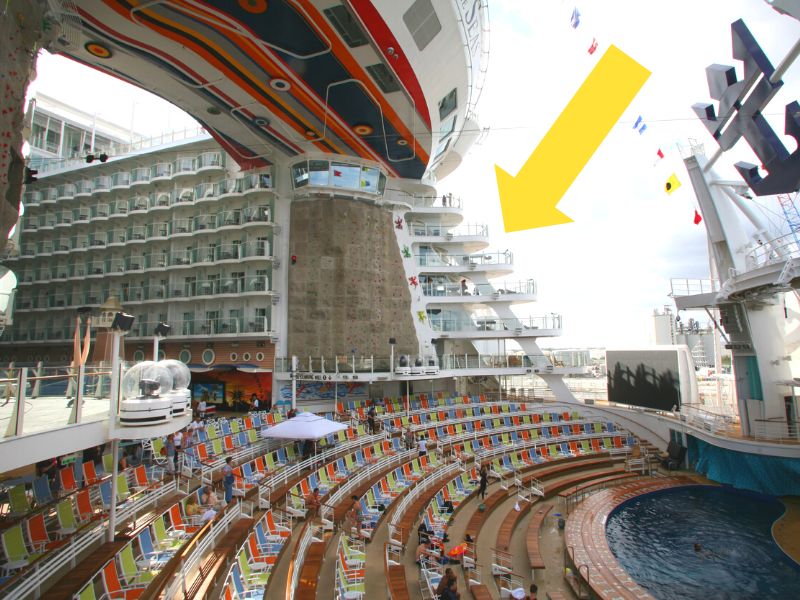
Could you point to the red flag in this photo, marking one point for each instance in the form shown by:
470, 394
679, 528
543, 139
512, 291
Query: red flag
337, 173
593, 47
660, 153
697, 217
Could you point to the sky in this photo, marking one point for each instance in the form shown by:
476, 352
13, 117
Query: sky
608, 270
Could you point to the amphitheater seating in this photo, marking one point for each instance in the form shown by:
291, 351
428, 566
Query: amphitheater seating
509, 524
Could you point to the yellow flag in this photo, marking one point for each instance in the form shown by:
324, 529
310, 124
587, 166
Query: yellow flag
672, 184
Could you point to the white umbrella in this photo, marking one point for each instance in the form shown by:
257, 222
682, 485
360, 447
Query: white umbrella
305, 426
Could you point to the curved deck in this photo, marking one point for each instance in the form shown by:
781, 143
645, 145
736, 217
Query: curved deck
585, 535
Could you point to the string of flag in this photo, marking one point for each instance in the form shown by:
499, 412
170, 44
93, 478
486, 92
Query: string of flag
672, 183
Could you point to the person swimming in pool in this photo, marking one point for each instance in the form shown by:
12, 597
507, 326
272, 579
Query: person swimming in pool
698, 548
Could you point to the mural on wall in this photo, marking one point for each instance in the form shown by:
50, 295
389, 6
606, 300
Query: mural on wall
323, 390
233, 388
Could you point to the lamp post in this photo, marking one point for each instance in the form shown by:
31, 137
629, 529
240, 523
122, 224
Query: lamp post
392, 342
161, 331
120, 326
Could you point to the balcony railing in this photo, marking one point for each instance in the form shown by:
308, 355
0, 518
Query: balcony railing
692, 287
776, 250
474, 230
461, 260
497, 290
352, 363
552, 321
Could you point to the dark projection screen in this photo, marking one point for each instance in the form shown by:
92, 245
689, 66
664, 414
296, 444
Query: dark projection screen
647, 378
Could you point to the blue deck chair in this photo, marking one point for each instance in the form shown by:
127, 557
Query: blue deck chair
41, 491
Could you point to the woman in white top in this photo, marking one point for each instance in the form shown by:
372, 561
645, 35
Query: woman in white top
422, 446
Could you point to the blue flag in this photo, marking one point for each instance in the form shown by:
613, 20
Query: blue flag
575, 19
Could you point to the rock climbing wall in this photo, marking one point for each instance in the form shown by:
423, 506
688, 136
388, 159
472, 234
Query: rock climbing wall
348, 288
23, 28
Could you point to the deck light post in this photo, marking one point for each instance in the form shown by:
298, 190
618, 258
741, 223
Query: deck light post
161, 331
121, 325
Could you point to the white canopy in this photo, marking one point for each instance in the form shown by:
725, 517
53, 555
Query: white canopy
305, 426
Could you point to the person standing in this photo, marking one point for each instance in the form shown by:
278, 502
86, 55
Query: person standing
409, 439
227, 479
202, 406
255, 403
484, 481
422, 446
195, 427
169, 448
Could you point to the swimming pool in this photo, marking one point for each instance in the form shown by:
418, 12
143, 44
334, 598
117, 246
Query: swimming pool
652, 537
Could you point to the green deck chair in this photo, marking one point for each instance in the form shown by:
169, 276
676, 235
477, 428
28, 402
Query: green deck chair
18, 498
130, 572
66, 518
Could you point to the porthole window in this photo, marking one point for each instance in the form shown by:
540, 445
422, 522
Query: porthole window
208, 356
162, 355
138, 356
234, 356
260, 356
246, 356
185, 356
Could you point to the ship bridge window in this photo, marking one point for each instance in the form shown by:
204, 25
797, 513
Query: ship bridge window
323, 173
346, 176
347, 25
384, 78
300, 174
447, 127
422, 23
447, 104
318, 172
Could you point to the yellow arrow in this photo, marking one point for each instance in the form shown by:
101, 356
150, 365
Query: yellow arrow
529, 200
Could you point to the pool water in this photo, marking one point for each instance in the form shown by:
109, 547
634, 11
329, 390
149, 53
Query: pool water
653, 538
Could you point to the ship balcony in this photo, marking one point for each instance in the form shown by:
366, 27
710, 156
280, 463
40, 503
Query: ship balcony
64, 218
204, 328
62, 246
50, 195
30, 225
116, 237
27, 250
447, 209
83, 188
81, 215
496, 328
184, 166
97, 239
100, 212
379, 368
121, 180
65, 191
47, 222
137, 205
208, 162
32, 198
456, 293
159, 201
137, 233
157, 231
204, 192
140, 176
256, 182
119, 208
95, 268
161, 172
101, 183
228, 188
495, 264
44, 248
181, 226
472, 237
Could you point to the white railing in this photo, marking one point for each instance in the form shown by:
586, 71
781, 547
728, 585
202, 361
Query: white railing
549, 322
495, 290
54, 564
434, 230
366, 472
333, 365
776, 250
300, 556
422, 485
292, 470
692, 287
45, 166
464, 260
190, 565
